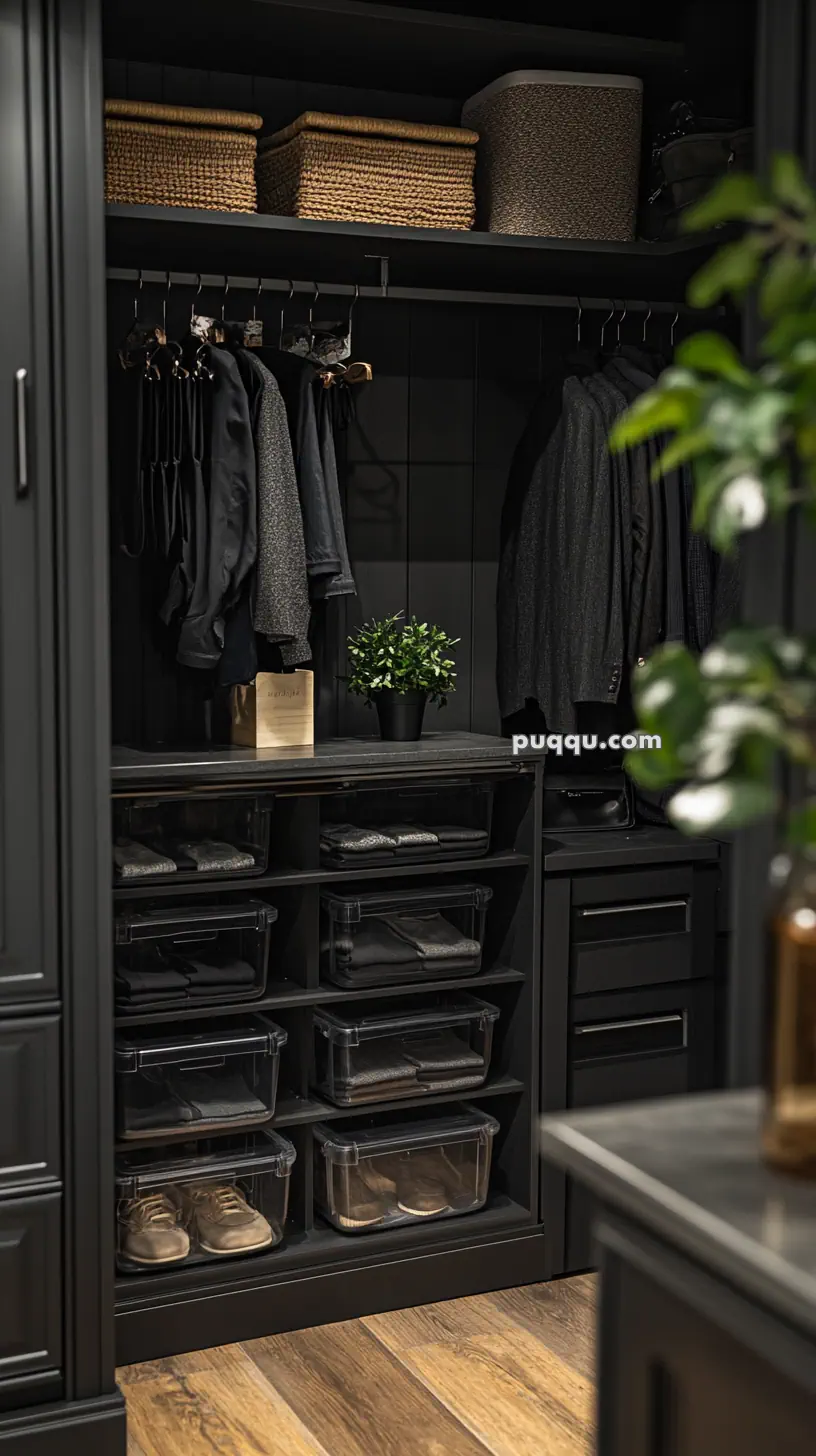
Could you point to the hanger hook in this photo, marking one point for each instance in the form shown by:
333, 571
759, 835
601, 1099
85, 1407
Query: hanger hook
224, 299
255, 301
646, 318
137, 295
165, 300
621, 319
195, 296
353, 301
313, 302
580, 317
674, 324
283, 310
606, 321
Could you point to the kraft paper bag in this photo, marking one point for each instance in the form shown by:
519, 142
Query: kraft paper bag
275, 711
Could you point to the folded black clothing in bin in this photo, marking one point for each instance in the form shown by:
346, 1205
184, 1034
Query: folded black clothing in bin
149, 1105
163, 978
436, 1053
451, 835
216, 970
432, 936
379, 1062
348, 839
216, 1096
133, 860
411, 836
211, 856
360, 978
374, 944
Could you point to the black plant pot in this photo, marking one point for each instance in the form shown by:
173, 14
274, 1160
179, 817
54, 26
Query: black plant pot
400, 714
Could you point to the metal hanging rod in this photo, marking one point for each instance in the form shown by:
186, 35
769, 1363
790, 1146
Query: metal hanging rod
258, 285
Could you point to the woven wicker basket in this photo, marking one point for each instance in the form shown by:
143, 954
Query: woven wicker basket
180, 156
559, 154
359, 169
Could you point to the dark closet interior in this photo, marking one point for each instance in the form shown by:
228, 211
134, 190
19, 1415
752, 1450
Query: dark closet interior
604, 955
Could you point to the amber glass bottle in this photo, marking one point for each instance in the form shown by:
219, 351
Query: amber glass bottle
789, 1135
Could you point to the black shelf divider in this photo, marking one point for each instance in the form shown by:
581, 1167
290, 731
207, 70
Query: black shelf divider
250, 245
288, 878
282, 994
293, 1111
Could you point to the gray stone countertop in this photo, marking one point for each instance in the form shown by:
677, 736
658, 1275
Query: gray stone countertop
689, 1170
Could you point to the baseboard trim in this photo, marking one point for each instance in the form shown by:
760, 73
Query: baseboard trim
67, 1428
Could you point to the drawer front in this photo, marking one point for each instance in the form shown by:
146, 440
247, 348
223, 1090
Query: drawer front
652, 1043
31, 1284
642, 928
29, 1098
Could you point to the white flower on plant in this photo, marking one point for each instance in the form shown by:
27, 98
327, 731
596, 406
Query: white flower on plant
656, 695
703, 807
743, 503
791, 652
717, 661
726, 725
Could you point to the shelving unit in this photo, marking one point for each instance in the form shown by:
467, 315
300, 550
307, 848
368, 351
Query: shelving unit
509, 978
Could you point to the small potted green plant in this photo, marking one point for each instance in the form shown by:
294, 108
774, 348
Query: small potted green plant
400, 666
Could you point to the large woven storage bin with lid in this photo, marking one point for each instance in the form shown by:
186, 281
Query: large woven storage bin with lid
559, 154
360, 169
180, 156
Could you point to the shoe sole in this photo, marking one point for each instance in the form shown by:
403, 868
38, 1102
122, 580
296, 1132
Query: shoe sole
170, 1259
425, 1212
246, 1249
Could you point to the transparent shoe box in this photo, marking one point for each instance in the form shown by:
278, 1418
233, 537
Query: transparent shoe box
190, 838
191, 955
383, 1172
196, 1077
449, 820
402, 936
215, 1199
391, 1050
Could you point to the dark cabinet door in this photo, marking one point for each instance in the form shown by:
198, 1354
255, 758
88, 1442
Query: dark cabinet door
31, 1281
29, 1097
28, 911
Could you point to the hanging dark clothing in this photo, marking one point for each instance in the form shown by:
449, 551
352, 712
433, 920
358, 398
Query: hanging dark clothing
295, 377
342, 583
220, 541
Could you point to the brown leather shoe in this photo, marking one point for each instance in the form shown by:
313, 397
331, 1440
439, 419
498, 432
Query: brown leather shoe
153, 1228
224, 1221
421, 1191
359, 1206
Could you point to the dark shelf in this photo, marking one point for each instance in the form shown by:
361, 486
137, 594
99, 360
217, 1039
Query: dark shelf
294, 1111
424, 51
318, 1246
617, 848
282, 994
286, 878
252, 244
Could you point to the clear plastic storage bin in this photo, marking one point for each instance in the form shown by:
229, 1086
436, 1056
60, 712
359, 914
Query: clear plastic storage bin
192, 955
197, 1077
402, 1050
402, 936
377, 1174
449, 820
186, 839
220, 1200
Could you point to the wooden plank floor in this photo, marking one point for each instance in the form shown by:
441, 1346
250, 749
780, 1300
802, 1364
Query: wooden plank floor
508, 1374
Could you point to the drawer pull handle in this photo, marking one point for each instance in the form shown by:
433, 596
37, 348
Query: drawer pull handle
21, 389
677, 1016
623, 909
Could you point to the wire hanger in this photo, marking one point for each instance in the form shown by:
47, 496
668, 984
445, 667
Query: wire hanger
620, 321
579, 318
255, 300
646, 318
606, 321
283, 311
674, 324
224, 299
195, 296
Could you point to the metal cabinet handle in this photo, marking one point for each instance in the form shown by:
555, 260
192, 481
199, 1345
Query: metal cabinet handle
623, 909
21, 387
638, 1021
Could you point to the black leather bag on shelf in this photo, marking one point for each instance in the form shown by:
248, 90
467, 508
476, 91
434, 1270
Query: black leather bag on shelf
583, 801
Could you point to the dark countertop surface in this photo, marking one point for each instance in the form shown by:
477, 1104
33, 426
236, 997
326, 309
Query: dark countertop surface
689, 1170
135, 768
